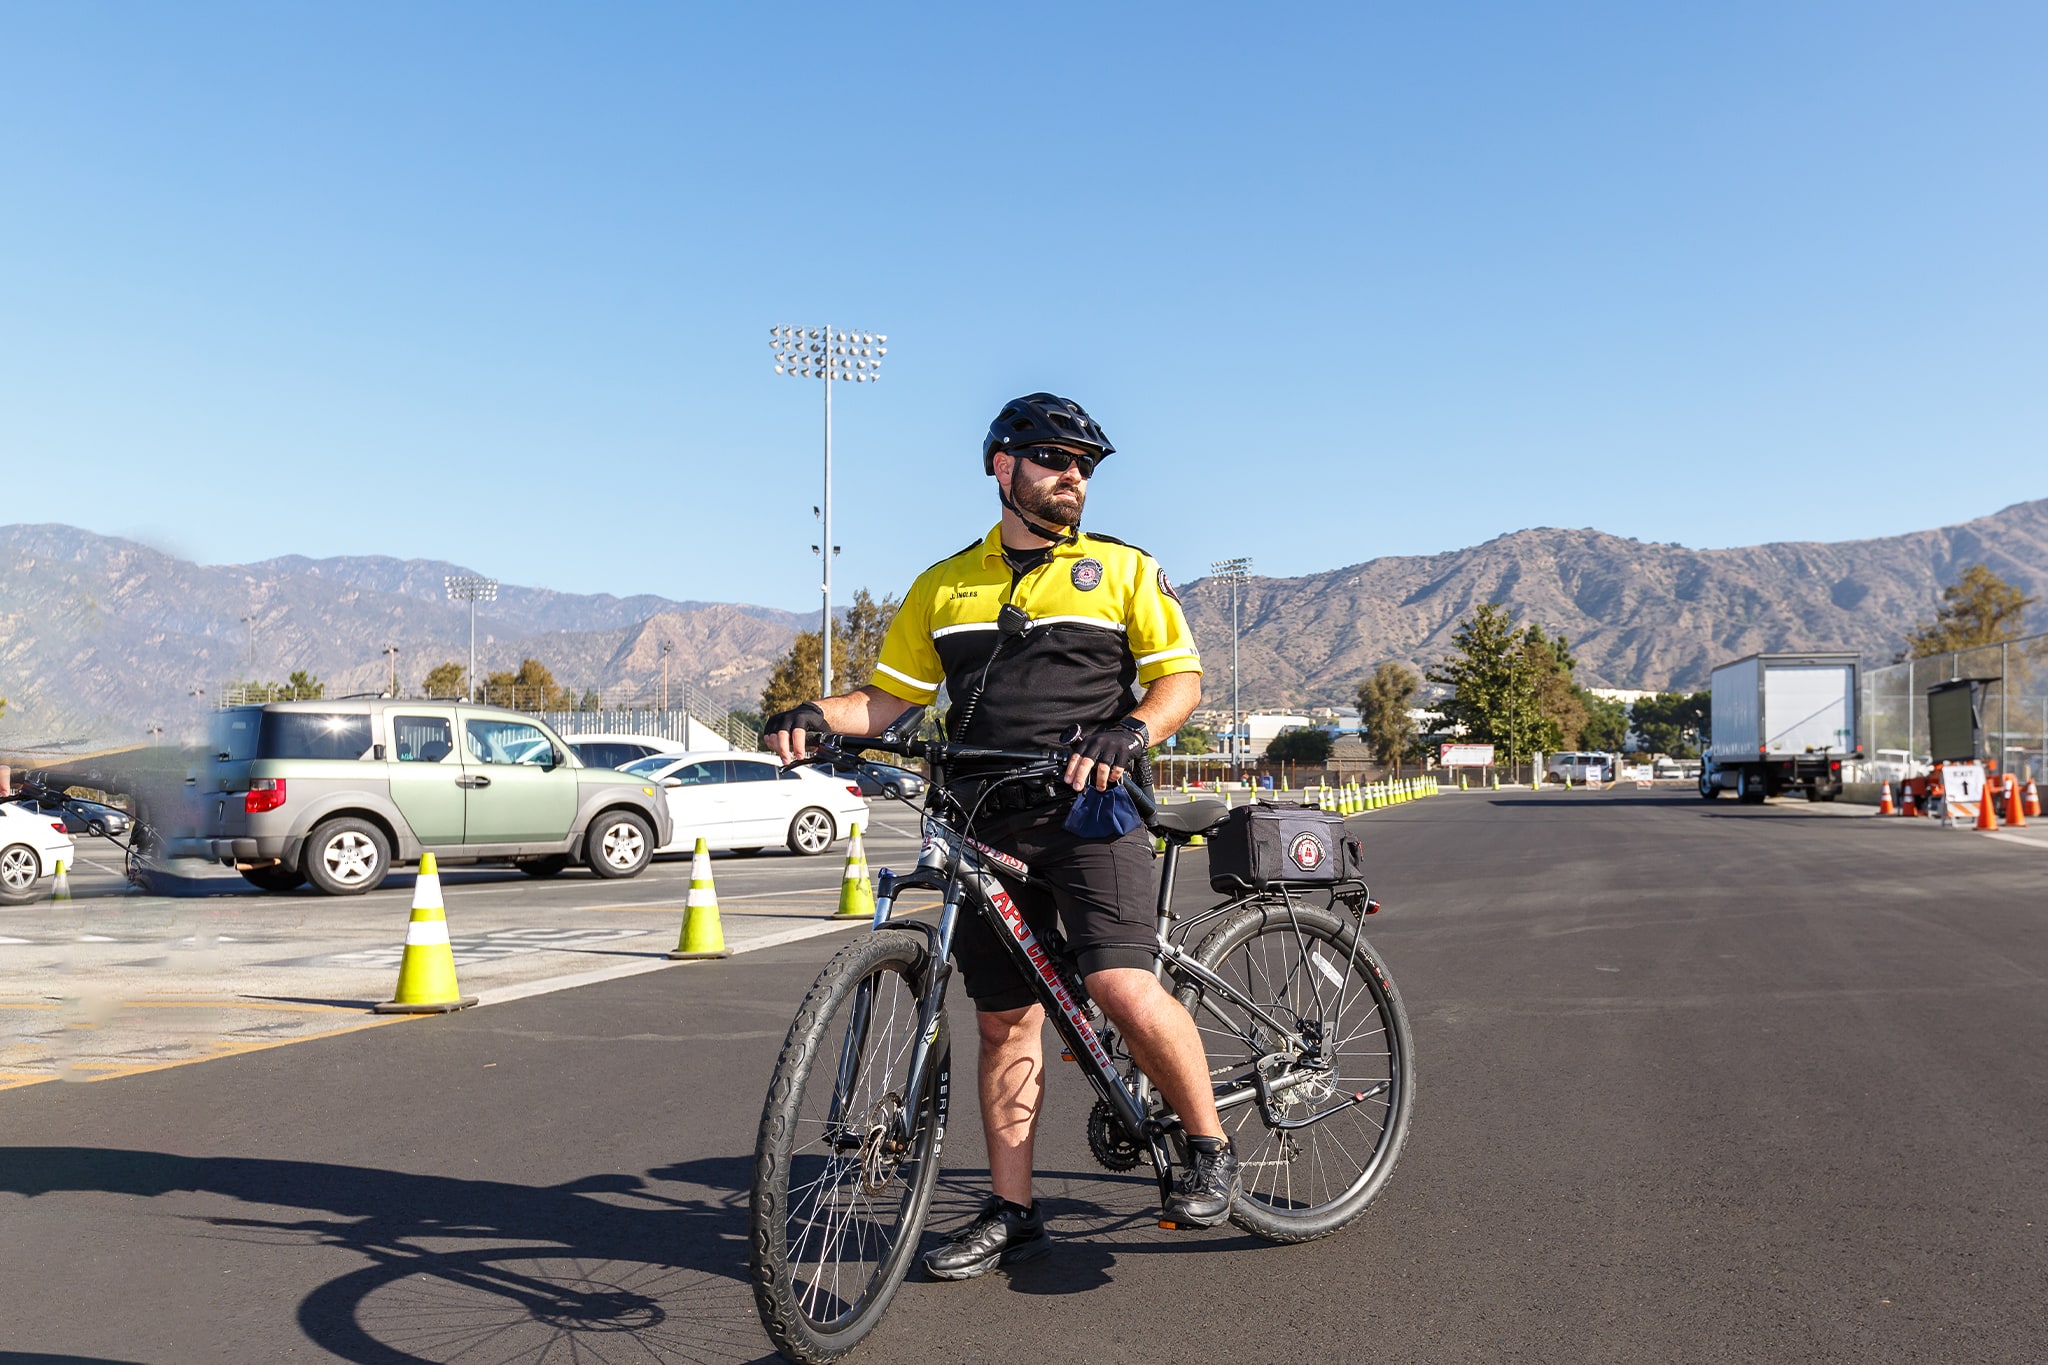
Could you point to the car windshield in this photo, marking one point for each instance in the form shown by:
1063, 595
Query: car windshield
648, 766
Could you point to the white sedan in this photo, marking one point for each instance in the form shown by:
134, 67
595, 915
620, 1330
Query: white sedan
32, 843
747, 801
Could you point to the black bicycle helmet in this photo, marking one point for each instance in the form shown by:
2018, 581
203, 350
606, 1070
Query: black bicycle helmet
1040, 419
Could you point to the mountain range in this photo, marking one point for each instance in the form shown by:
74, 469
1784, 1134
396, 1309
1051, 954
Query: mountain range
104, 635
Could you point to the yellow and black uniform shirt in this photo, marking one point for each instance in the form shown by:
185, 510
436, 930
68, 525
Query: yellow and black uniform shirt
1103, 618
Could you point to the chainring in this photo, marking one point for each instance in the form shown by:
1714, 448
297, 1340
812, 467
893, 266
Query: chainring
1111, 1146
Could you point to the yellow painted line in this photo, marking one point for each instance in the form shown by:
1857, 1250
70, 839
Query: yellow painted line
115, 1070
6, 1005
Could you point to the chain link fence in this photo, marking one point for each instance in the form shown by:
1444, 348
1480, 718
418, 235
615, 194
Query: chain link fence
2012, 706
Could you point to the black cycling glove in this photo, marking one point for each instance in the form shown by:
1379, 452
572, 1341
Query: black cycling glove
1115, 747
810, 716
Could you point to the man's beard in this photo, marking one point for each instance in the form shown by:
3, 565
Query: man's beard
1040, 502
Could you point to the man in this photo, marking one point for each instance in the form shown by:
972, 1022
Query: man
1103, 623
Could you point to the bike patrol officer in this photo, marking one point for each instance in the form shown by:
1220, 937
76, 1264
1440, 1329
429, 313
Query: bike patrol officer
1036, 629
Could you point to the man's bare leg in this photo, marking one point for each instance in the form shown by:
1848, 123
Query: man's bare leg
1012, 1074
1164, 1042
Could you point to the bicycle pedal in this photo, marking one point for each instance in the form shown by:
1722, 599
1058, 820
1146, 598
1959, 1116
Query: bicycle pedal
1065, 1055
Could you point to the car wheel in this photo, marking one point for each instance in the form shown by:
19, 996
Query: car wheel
893, 792
549, 866
97, 827
1708, 791
277, 878
347, 857
811, 832
621, 842
19, 868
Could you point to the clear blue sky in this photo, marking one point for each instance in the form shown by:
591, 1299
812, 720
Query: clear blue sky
492, 282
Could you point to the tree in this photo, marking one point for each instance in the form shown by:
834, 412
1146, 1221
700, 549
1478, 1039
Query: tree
303, 686
1510, 687
530, 687
1384, 700
1980, 608
856, 644
1671, 723
445, 680
1606, 727
1195, 739
1307, 745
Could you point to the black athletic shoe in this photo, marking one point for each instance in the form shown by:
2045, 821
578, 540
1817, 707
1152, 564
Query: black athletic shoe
1203, 1195
1000, 1235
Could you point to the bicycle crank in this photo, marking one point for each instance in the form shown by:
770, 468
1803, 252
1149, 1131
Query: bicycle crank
1112, 1147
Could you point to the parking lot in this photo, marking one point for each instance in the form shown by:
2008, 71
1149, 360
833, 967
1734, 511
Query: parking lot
112, 982
1698, 1081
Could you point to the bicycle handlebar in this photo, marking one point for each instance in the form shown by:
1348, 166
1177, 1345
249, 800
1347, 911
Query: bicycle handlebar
943, 751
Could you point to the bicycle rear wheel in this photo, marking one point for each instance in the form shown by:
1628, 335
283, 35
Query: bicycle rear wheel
839, 1201
1339, 1068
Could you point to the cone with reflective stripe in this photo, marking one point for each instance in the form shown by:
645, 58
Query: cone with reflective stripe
60, 889
426, 973
2030, 799
1907, 806
2014, 819
856, 893
1884, 800
703, 935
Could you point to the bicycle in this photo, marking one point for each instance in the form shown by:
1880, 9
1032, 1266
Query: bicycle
1304, 1030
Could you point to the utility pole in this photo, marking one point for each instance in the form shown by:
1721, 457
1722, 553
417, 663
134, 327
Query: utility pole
250, 622
392, 650
821, 353
666, 646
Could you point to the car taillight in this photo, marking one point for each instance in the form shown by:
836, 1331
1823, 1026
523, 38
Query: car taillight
1836, 765
58, 825
851, 788
265, 793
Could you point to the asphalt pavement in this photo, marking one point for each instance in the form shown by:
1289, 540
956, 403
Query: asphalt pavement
1696, 1082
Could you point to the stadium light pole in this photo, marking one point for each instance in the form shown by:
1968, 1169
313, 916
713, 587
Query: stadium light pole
1236, 571
822, 353
471, 588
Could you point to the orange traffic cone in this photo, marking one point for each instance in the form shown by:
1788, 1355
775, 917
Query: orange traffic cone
2030, 799
2015, 818
1884, 800
1906, 807
1985, 819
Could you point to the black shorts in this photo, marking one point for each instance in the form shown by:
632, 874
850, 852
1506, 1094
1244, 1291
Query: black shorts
1104, 891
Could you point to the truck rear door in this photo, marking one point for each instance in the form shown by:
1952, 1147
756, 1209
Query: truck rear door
1807, 707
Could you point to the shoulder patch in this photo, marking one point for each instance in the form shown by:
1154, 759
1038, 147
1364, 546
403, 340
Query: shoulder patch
1165, 586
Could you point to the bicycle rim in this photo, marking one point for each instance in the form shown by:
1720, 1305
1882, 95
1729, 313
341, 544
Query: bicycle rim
838, 1206
1352, 1070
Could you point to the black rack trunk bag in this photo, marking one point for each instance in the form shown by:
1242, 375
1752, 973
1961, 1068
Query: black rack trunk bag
1263, 846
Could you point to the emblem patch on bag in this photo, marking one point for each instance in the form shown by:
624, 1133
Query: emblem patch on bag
1306, 852
1087, 575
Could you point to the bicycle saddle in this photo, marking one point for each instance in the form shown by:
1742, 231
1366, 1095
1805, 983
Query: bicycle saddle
1197, 817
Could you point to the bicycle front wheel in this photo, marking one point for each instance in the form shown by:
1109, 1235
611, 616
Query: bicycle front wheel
840, 1196
1314, 1089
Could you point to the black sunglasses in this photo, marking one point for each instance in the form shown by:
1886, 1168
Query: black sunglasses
1058, 461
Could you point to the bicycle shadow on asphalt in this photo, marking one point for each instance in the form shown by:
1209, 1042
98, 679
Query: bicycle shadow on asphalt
606, 1267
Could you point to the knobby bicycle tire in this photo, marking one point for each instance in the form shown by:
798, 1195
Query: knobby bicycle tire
1312, 969
837, 1208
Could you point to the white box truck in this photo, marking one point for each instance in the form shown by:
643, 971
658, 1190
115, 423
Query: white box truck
1782, 722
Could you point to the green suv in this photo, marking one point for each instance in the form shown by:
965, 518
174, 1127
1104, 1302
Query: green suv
336, 792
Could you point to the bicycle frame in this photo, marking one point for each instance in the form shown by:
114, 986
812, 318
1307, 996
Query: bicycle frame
955, 865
